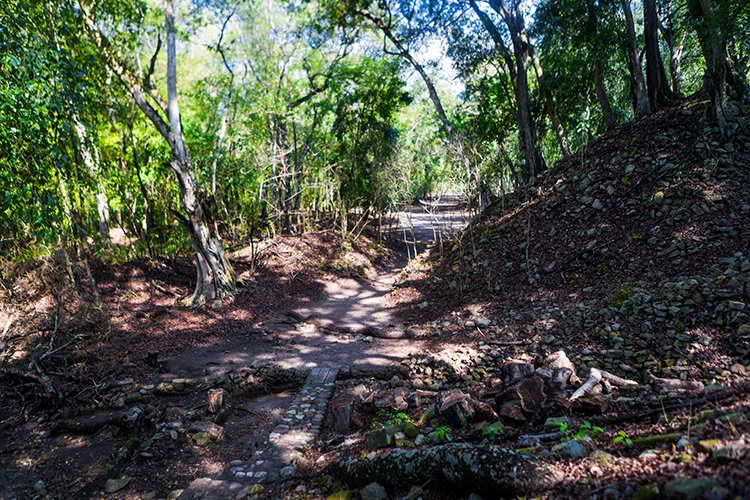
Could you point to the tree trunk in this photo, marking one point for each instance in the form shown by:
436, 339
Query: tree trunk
715, 51
641, 105
656, 78
550, 104
675, 51
454, 140
459, 468
675, 66
90, 156
527, 128
497, 38
215, 278
601, 95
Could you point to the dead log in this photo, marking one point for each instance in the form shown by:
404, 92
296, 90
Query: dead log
514, 370
560, 378
490, 471
595, 377
36, 374
87, 423
460, 409
527, 393
677, 385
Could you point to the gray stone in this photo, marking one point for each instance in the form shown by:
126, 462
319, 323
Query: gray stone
115, 485
39, 486
688, 488
373, 491
570, 449
556, 423
376, 439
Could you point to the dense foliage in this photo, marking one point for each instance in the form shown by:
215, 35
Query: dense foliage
299, 114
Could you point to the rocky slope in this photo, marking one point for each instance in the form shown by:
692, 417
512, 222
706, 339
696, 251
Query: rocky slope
634, 252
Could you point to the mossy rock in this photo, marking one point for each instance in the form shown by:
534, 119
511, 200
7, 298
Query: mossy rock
656, 440
647, 492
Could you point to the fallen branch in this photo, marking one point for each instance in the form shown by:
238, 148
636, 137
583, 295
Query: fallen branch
37, 376
693, 403
595, 377
677, 385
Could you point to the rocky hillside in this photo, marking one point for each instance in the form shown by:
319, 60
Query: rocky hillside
634, 253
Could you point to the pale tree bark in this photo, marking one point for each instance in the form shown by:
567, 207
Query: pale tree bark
215, 278
675, 49
641, 106
601, 95
504, 52
513, 17
225, 107
403, 52
657, 88
454, 140
90, 157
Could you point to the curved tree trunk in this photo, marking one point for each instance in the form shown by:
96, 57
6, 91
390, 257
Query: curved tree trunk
215, 278
454, 140
90, 156
714, 47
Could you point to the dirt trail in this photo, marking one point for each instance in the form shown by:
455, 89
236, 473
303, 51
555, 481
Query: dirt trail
333, 334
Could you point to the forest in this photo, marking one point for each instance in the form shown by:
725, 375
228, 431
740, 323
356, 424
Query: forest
371, 249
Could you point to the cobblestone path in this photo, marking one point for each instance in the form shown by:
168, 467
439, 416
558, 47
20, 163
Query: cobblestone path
276, 460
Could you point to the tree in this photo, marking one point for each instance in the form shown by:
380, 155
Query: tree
657, 86
514, 20
546, 91
641, 106
592, 31
214, 275
676, 44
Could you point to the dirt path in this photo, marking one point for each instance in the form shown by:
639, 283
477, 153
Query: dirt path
333, 333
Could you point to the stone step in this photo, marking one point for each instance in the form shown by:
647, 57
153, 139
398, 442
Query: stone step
297, 431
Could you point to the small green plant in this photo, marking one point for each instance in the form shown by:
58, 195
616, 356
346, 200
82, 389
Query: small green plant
442, 433
636, 237
492, 432
387, 418
562, 427
622, 437
585, 430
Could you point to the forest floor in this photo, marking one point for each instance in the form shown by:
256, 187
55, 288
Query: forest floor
598, 326
139, 339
